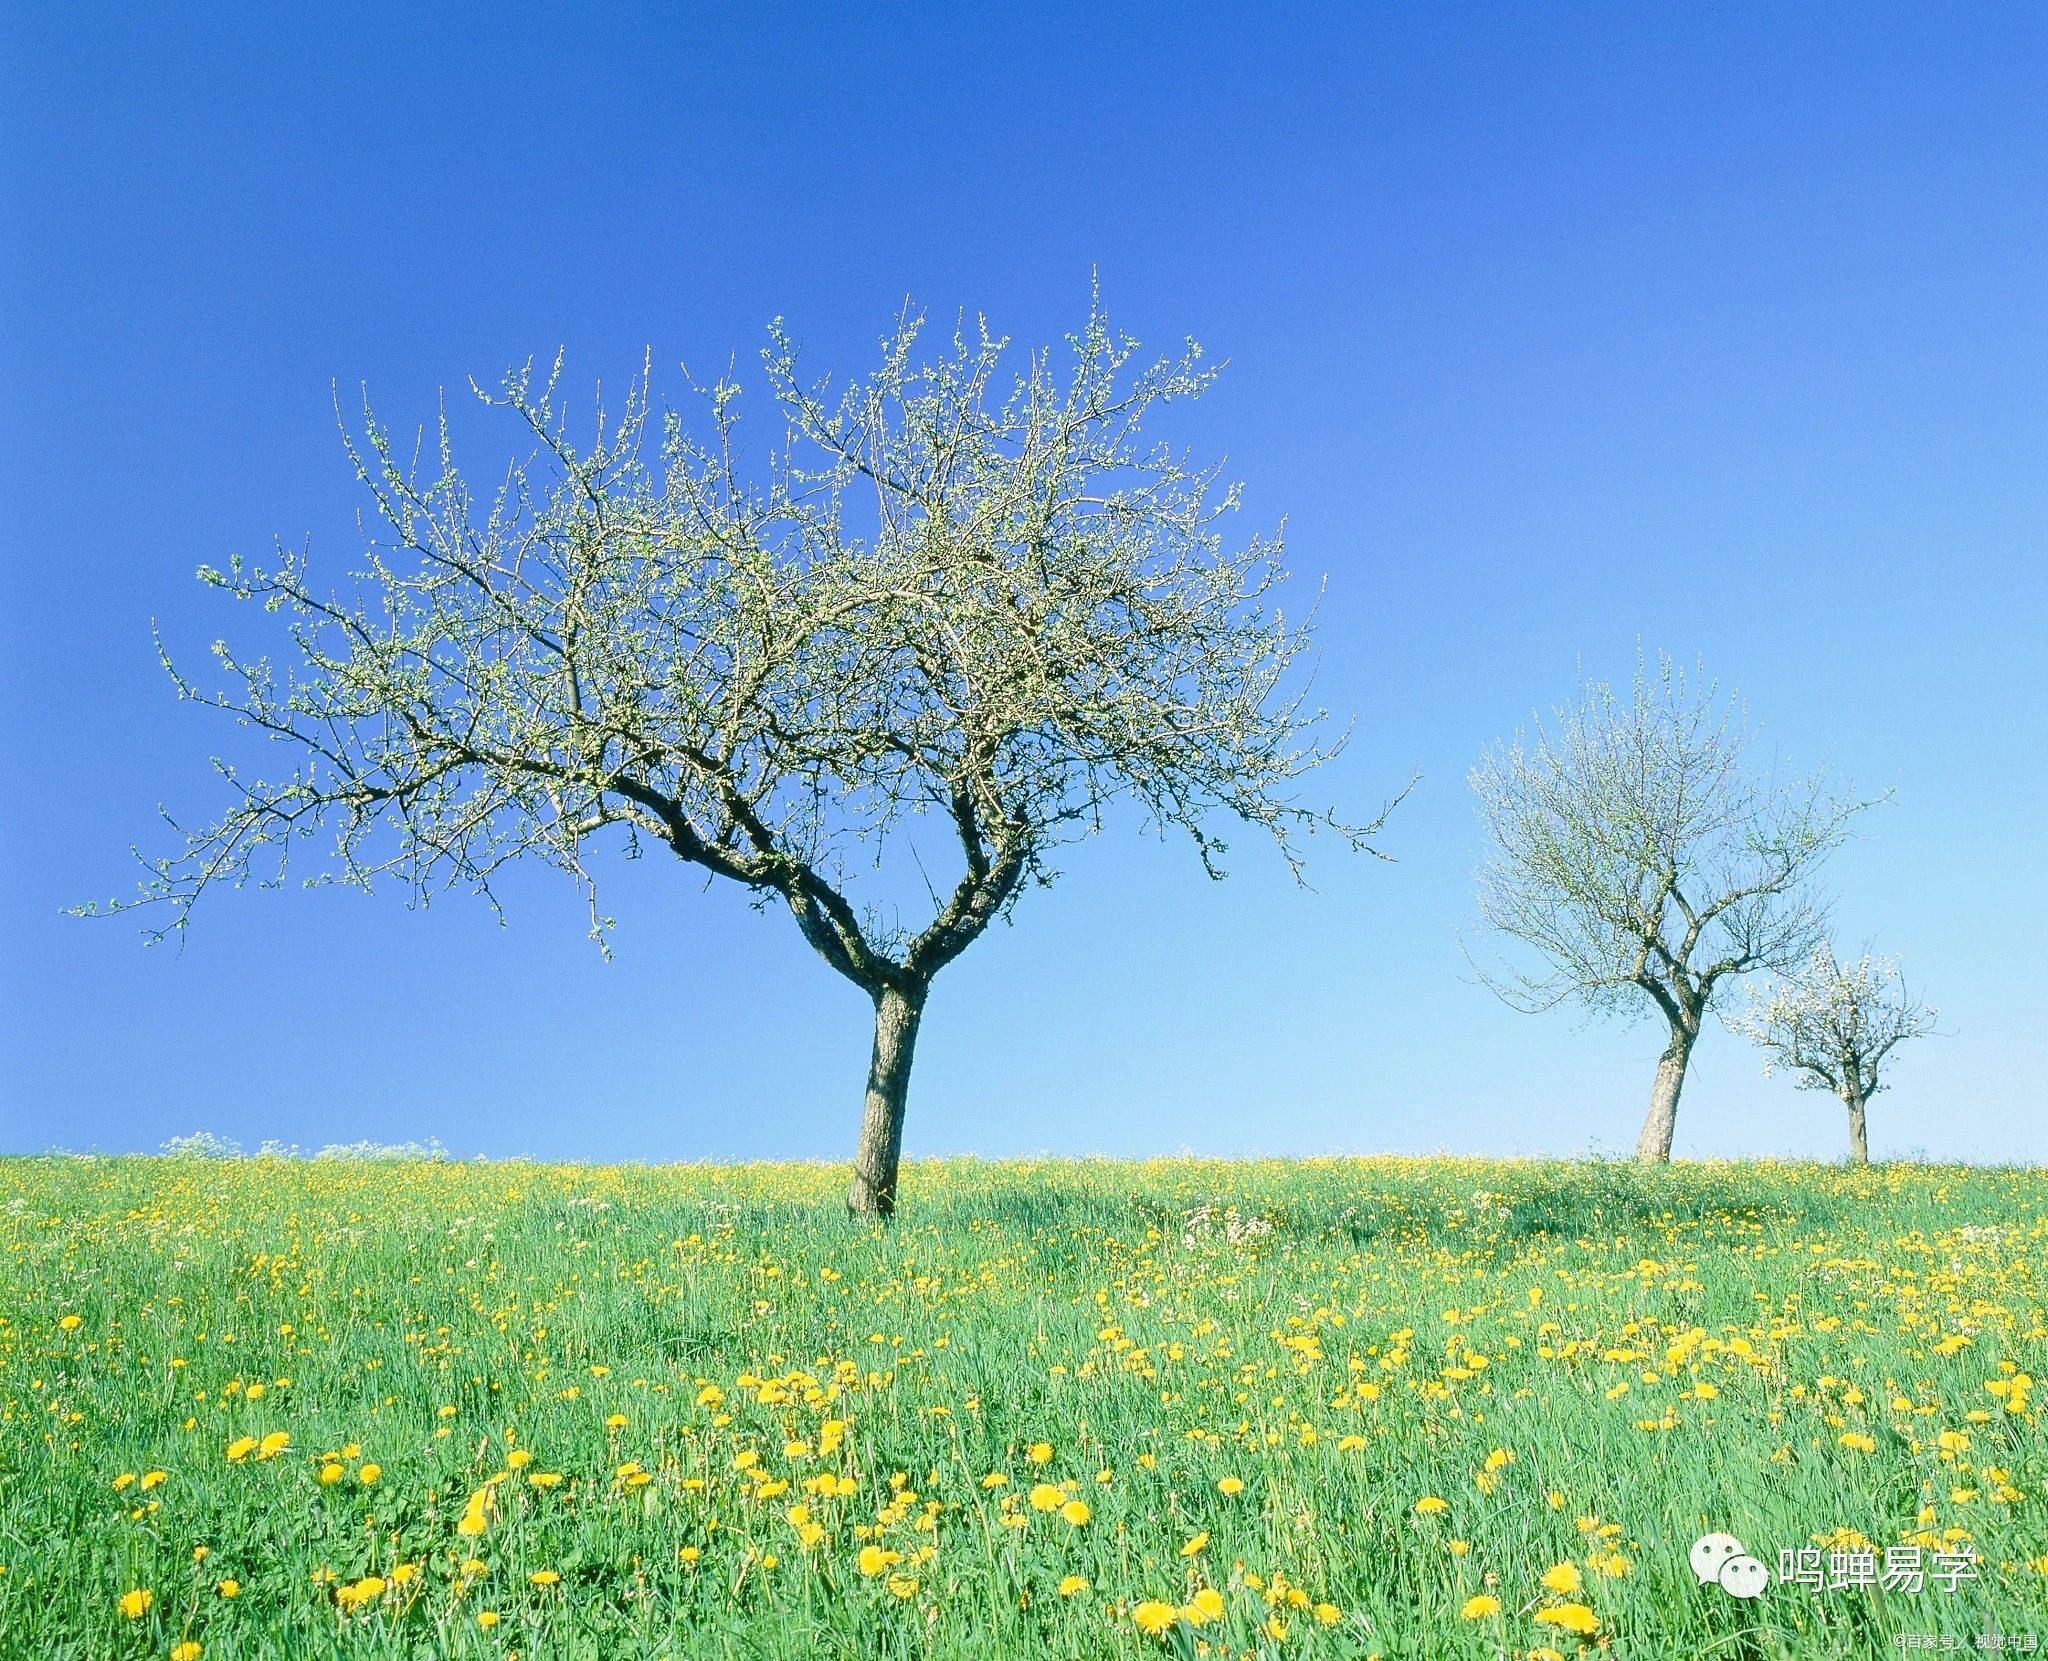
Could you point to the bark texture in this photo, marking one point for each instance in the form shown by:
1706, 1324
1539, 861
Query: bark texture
1654, 1145
1859, 1137
875, 1160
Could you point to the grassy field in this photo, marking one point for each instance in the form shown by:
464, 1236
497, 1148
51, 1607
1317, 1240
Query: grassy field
1335, 1408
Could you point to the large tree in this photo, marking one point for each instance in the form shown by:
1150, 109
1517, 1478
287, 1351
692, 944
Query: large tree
1833, 1026
953, 603
1636, 862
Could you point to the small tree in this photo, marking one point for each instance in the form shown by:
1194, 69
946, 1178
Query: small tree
1642, 866
1832, 1025
943, 606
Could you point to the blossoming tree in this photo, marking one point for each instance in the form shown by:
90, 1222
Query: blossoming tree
1636, 864
1833, 1026
955, 605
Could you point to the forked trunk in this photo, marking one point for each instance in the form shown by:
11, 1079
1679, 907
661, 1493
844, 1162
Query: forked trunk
881, 1126
1654, 1145
1859, 1139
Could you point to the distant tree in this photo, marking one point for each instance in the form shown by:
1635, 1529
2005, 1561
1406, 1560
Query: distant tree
1642, 866
952, 604
1833, 1025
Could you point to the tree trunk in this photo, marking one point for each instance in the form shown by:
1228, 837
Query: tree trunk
881, 1127
1859, 1139
1654, 1145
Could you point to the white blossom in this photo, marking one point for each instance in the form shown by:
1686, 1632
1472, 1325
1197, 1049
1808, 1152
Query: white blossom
1832, 1025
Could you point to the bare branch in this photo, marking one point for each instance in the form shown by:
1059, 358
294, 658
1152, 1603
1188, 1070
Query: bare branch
989, 605
1636, 859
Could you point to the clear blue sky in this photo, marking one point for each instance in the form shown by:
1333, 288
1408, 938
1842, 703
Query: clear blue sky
1549, 329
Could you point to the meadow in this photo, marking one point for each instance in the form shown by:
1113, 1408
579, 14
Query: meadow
1335, 1408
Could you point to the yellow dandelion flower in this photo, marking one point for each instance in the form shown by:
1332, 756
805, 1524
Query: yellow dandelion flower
1154, 1617
875, 1560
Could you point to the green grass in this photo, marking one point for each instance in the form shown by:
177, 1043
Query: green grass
437, 1321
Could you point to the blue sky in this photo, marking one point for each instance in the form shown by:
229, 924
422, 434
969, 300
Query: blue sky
1549, 330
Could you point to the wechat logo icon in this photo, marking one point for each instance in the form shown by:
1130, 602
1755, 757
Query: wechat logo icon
1724, 1561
